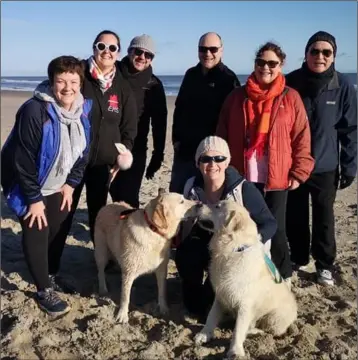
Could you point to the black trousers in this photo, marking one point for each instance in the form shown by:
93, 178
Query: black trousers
323, 188
96, 180
192, 259
126, 185
276, 202
43, 248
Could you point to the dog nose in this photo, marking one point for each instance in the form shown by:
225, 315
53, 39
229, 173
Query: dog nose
199, 204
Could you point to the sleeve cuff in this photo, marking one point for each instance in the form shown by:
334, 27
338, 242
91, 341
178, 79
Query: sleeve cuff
35, 199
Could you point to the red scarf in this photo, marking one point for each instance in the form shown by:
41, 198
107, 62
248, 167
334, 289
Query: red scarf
259, 107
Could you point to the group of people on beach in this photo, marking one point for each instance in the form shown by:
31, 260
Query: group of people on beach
270, 144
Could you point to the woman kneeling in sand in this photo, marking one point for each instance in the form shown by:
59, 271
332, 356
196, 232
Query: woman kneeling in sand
216, 181
42, 161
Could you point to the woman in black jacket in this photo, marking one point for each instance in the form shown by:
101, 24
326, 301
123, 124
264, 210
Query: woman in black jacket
114, 121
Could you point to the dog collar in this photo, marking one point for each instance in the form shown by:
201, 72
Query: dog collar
152, 226
125, 213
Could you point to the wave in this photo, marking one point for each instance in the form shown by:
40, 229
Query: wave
11, 81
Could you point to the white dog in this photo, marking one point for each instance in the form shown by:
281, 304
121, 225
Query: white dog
241, 279
139, 239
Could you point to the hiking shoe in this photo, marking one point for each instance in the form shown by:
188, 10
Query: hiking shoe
324, 277
60, 286
50, 302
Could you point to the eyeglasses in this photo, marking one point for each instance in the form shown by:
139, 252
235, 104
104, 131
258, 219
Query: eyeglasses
100, 46
205, 49
270, 63
206, 159
326, 52
147, 55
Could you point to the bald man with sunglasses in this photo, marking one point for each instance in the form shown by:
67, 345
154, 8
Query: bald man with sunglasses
197, 107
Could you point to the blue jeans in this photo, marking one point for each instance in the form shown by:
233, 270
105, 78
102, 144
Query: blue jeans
182, 170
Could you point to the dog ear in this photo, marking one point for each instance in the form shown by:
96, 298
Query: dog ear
161, 191
233, 222
158, 217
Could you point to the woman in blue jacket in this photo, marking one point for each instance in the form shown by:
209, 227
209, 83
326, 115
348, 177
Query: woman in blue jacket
42, 161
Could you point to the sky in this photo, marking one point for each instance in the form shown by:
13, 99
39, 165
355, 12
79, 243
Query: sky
34, 32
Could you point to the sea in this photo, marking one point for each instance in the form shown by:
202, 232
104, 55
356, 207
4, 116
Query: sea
171, 82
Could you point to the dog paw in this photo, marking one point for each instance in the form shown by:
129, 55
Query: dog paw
201, 338
255, 331
236, 353
122, 317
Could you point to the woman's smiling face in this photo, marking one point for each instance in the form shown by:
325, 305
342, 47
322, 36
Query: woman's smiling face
106, 59
213, 170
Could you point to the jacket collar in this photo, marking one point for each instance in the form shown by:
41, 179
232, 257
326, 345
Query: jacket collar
334, 83
140, 77
219, 68
232, 180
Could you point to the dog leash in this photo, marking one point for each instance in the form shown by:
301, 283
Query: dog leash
271, 266
273, 269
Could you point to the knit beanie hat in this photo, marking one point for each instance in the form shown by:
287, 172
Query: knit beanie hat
212, 143
322, 36
144, 42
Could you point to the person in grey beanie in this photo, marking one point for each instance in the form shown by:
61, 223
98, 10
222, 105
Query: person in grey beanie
148, 90
331, 105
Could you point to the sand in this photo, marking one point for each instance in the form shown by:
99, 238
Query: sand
326, 327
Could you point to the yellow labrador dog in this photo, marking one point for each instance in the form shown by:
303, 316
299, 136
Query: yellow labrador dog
241, 278
139, 239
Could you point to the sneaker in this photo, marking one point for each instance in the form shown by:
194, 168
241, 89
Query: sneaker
50, 302
60, 286
324, 277
288, 282
298, 267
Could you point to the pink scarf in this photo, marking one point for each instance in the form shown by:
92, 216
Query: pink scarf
105, 81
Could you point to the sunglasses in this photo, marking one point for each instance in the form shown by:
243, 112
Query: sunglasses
206, 159
100, 46
147, 55
270, 63
326, 52
205, 49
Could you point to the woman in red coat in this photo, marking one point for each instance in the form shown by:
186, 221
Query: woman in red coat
266, 127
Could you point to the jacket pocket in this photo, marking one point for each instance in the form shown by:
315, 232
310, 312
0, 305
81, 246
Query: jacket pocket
16, 201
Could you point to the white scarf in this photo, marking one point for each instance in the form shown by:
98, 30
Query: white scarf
72, 146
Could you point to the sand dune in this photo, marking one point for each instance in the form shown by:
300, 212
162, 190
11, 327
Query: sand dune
326, 328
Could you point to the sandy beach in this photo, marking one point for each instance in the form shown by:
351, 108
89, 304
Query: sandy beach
325, 330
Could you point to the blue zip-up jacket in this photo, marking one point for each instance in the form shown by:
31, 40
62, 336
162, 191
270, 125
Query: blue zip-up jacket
333, 121
30, 151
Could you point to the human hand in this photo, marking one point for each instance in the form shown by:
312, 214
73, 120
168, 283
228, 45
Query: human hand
154, 165
345, 181
293, 184
37, 213
67, 192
